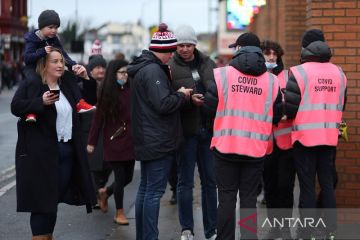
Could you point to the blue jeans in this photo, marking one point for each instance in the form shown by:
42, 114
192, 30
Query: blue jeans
154, 176
196, 149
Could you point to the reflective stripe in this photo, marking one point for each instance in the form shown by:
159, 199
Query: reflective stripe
342, 86
269, 101
308, 126
286, 76
240, 133
321, 106
306, 83
224, 84
239, 113
282, 131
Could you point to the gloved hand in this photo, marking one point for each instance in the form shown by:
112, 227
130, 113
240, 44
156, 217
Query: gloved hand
343, 131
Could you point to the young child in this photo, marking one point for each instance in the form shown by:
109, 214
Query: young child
39, 42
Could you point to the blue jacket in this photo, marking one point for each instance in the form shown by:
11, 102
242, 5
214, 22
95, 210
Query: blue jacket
34, 49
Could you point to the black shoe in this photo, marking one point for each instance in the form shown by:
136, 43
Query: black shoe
173, 199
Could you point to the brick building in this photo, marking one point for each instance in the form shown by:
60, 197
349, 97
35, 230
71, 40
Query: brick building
13, 26
285, 22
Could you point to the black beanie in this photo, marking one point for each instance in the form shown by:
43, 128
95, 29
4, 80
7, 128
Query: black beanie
47, 18
96, 60
312, 35
246, 39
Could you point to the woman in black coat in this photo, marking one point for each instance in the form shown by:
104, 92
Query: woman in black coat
51, 165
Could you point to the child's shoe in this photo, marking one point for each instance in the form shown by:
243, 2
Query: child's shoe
83, 106
31, 117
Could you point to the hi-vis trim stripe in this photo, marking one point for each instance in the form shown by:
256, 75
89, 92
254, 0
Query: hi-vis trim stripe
238, 113
282, 131
286, 76
240, 133
308, 106
309, 126
269, 101
224, 84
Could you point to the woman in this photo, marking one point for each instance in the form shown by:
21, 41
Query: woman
51, 165
113, 116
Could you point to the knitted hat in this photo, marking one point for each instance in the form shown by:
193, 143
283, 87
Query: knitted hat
246, 39
47, 18
163, 40
185, 34
312, 35
96, 60
96, 48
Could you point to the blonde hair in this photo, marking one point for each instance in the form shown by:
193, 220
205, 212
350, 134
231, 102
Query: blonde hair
41, 63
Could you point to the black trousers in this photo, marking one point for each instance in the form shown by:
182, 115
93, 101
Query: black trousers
309, 163
233, 178
279, 181
173, 178
123, 172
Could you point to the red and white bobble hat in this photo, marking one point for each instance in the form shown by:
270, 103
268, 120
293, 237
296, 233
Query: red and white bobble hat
163, 40
96, 48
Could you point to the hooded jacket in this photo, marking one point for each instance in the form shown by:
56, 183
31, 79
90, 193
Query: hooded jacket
155, 108
248, 60
35, 48
192, 117
317, 51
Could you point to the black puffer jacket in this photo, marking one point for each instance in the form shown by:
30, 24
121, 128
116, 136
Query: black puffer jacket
248, 60
315, 52
155, 108
192, 117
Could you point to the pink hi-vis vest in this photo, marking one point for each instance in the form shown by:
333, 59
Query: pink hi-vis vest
322, 87
244, 113
282, 131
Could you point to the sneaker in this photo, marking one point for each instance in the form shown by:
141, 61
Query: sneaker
213, 237
187, 235
83, 106
173, 200
31, 117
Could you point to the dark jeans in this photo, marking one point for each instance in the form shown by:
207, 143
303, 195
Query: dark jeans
233, 177
279, 181
309, 163
123, 171
154, 176
173, 176
196, 149
44, 223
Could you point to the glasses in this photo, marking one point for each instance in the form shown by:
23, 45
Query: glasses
122, 72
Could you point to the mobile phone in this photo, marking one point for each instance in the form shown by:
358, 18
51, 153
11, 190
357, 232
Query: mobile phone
55, 91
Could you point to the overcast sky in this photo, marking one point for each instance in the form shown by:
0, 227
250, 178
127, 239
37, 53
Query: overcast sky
97, 12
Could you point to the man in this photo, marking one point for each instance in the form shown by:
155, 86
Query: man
156, 126
248, 102
315, 99
192, 69
279, 169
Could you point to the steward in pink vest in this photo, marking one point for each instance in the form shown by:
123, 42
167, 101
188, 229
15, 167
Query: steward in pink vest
315, 98
247, 101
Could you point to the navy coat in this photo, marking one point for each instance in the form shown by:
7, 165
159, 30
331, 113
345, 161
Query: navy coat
37, 152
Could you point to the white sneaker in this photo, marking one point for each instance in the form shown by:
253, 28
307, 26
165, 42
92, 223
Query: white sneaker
213, 237
187, 235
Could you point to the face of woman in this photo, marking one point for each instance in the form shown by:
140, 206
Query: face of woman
122, 74
55, 65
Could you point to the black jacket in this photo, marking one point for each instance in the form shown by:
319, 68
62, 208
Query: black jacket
315, 52
248, 60
155, 108
37, 154
192, 117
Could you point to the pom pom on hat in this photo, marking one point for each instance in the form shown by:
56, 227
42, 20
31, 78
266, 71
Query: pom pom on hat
163, 40
47, 18
96, 48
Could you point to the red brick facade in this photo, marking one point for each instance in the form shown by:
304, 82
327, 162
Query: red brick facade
285, 22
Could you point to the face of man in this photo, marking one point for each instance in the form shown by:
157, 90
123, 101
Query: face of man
270, 56
98, 73
186, 51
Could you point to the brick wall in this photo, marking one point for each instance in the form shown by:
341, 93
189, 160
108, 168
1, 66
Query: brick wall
340, 21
